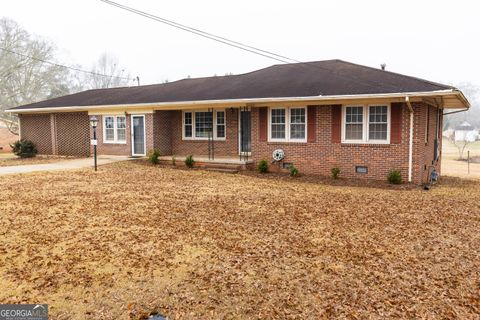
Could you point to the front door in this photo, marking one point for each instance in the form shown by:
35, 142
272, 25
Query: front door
245, 132
138, 135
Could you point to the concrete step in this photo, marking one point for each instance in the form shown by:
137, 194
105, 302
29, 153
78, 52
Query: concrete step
230, 166
224, 170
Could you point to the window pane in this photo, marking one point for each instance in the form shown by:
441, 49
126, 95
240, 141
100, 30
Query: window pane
278, 124
109, 134
188, 118
121, 123
187, 124
109, 128
220, 117
203, 124
354, 114
220, 124
354, 123
278, 131
188, 131
221, 131
297, 131
278, 116
109, 122
121, 134
297, 123
377, 128
297, 115
354, 132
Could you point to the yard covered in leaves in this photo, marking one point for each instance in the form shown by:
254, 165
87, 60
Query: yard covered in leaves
133, 239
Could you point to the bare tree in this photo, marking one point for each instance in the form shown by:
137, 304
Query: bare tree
24, 78
107, 65
461, 145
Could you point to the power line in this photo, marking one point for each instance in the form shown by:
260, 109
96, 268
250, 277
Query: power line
63, 66
240, 45
204, 34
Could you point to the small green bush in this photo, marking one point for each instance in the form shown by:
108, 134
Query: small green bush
189, 162
262, 166
24, 148
335, 172
293, 171
153, 156
174, 160
394, 177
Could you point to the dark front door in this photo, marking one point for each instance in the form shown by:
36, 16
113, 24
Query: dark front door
245, 143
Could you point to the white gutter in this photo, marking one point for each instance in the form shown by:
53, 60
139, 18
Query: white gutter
448, 92
410, 142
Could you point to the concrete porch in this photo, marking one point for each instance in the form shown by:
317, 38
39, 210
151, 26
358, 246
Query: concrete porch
227, 164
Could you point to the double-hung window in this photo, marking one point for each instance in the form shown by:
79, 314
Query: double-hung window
114, 129
198, 125
288, 124
366, 124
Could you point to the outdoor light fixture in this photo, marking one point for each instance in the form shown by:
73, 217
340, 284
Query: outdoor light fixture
93, 142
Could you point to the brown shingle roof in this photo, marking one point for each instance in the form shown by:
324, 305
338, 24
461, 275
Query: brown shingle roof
330, 77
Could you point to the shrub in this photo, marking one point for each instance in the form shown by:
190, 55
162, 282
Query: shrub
262, 166
293, 171
335, 172
153, 156
189, 162
394, 177
174, 160
24, 148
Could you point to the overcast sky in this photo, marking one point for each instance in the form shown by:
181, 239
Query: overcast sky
435, 40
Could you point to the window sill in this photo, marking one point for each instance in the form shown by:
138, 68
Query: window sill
366, 144
114, 142
286, 142
203, 139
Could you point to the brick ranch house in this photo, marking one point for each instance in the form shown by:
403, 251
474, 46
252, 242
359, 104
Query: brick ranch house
323, 114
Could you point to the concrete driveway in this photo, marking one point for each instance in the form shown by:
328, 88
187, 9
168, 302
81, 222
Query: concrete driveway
62, 165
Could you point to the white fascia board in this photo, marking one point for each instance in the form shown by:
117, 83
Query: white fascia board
162, 105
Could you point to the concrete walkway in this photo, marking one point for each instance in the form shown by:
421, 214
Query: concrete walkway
62, 165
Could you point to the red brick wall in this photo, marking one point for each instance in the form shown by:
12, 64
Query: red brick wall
71, 134
322, 155
37, 128
229, 147
162, 132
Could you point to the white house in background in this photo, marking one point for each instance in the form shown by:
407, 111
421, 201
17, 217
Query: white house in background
465, 132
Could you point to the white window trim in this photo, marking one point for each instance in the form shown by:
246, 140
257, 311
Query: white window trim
366, 120
115, 137
287, 125
214, 125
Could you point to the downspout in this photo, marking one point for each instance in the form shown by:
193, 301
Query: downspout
410, 142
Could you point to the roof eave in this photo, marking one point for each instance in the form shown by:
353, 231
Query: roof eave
455, 93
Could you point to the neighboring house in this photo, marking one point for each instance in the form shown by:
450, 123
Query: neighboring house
465, 132
323, 114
